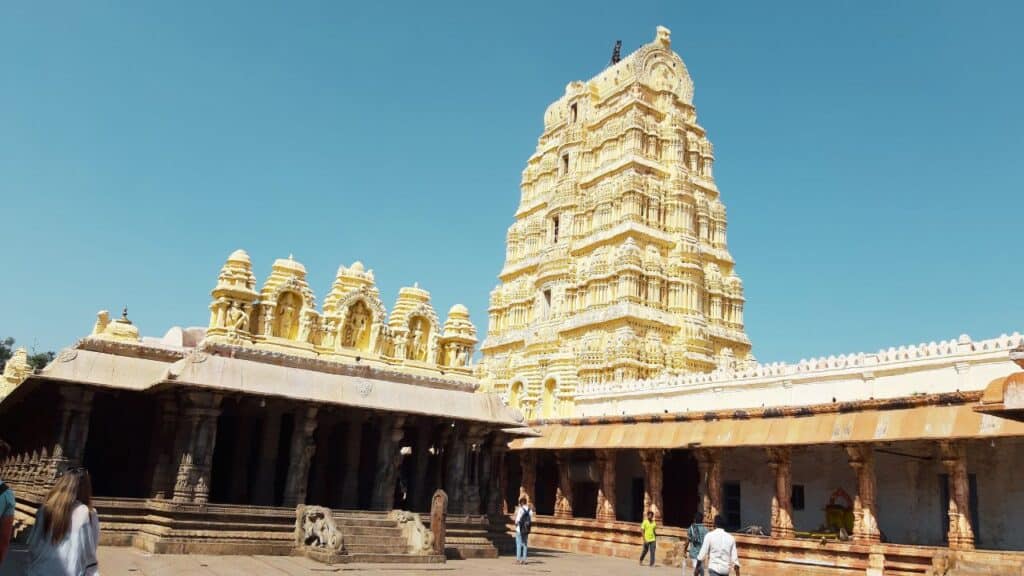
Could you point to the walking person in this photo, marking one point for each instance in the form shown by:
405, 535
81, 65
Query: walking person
719, 550
64, 538
523, 520
695, 534
647, 529
6, 508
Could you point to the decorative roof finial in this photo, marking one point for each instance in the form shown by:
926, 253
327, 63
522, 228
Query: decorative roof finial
124, 312
616, 53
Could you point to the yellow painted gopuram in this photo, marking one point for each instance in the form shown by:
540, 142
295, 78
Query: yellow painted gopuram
616, 265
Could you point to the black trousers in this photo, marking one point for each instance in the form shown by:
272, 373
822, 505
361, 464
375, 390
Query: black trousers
648, 546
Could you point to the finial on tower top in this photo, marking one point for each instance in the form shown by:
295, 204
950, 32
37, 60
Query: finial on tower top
664, 36
616, 53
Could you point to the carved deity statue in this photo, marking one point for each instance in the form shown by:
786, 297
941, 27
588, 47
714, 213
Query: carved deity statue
461, 356
305, 327
416, 345
238, 318
286, 321
330, 330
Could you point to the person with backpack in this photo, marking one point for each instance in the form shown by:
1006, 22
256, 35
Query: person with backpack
523, 520
695, 534
6, 508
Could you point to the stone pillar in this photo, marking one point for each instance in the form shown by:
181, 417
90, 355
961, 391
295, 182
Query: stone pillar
73, 427
418, 489
455, 477
353, 448
197, 436
496, 486
606, 488
865, 523
263, 492
780, 461
475, 448
389, 458
709, 464
318, 474
954, 458
240, 460
528, 483
301, 454
563, 493
652, 463
162, 478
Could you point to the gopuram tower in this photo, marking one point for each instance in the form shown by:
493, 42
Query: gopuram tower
616, 265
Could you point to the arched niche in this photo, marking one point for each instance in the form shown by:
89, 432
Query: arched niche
547, 409
515, 395
418, 344
356, 331
287, 315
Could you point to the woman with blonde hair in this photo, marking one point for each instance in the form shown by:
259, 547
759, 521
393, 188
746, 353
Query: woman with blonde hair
64, 538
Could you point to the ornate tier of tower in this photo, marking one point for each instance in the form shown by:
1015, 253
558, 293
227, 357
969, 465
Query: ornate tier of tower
616, 265
353, 326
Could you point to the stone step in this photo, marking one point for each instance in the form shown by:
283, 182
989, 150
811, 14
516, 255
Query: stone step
395, 559
371, 531
379, 548
365, 523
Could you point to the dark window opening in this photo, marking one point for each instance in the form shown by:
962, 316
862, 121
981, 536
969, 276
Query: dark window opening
796, 497
572, 114
565, 164
554, 228
547, 302
731, 505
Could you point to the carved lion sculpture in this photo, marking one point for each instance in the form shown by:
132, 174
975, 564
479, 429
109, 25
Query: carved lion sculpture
315, 527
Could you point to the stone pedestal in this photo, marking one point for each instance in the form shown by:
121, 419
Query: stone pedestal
389, 458
563, 493
954, 458
606, 488
197, 436
652, 461
263, 491
301, 454
709, 465
865, 519
780, 461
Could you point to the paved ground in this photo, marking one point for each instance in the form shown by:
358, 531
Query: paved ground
129, 561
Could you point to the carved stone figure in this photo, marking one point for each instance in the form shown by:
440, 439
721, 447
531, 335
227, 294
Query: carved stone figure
315, 528
287, 321
461, 357
438, 519
238, 318
416, 344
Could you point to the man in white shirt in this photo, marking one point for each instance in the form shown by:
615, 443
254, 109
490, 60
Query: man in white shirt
718, 552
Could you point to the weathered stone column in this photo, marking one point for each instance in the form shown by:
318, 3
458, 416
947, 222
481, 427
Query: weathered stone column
197, 436
528, 481
240, 460
563, 493
319, 492
418, 490
606, 488
709, 464
263, 491
954, 458
162, 478
73, 427
497, 483
301, 454
455, 476
474, 445
652, 461
865, 523
780, 461
389, 458
353, 447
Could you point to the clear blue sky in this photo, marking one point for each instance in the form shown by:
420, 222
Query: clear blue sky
869, 153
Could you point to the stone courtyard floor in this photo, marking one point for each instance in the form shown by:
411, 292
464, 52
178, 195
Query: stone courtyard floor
132, 562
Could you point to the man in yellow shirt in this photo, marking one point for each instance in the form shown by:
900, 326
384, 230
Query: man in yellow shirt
647, 528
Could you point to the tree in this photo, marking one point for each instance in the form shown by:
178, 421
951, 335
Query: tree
37, 360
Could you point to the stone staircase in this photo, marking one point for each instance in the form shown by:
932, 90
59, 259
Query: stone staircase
472, 536
376, 538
